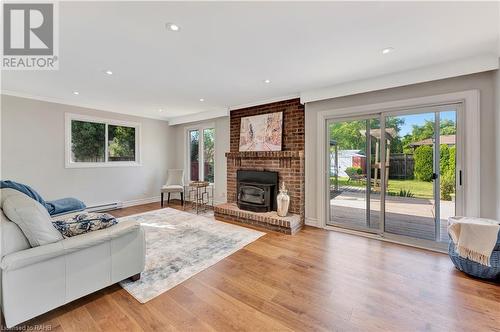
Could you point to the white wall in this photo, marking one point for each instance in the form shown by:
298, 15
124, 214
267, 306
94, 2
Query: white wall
484, 82
221, 126
32, 146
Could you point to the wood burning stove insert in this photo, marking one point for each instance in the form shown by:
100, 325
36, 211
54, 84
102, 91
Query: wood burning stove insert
257, 190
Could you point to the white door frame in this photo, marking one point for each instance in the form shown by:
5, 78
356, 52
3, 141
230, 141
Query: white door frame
470, 144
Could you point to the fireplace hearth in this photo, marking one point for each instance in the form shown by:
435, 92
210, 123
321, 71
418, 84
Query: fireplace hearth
257, 190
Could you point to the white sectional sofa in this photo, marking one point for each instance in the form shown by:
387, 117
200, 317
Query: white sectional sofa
35, 280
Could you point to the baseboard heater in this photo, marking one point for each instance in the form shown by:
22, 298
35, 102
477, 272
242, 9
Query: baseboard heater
104, 207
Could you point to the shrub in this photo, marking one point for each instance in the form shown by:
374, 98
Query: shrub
451, 163
447, 168
447, 184
406, 193
444, 159
354, 170
423, 163
401, 193
447, 159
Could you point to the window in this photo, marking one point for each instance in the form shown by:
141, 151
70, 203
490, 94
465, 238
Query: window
201, 153
121, 143
194, 160
208, 154
87, 142
95, 142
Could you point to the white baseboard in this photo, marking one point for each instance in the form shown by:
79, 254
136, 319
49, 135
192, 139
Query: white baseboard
148, 200
314, 222
141, 201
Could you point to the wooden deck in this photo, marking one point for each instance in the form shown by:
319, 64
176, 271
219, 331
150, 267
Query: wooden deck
411, 217
316, 280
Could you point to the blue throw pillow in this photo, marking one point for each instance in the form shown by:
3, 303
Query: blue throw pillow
64, 206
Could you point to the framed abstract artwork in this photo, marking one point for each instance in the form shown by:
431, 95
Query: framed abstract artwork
261, 132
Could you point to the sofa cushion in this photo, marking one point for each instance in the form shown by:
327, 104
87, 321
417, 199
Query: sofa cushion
81, 223
6, 193
12, 238
172, 188
24, 189
32, 218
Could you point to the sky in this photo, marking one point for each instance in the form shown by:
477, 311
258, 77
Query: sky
419, 119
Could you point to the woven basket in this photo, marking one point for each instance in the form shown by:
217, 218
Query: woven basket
475, 269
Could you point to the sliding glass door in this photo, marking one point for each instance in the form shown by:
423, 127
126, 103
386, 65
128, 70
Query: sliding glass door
354, 201
421, 173
402, 183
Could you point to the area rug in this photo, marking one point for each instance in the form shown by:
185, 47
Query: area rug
179, 245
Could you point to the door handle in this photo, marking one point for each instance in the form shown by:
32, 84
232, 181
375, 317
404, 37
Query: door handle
460, 177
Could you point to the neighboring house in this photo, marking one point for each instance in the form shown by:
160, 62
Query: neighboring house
443, 139
348, 158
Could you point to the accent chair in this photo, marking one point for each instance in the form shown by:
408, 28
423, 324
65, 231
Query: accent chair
175, 184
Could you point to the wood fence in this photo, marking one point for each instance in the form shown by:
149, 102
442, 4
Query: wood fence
401, 166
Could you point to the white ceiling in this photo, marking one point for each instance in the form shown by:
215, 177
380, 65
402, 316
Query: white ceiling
224, 51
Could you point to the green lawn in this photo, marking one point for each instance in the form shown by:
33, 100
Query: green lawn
420, 189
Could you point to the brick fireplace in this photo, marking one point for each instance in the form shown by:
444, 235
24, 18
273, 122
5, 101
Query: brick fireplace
288, 163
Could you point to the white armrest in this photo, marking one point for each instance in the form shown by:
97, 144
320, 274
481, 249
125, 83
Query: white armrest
38, 254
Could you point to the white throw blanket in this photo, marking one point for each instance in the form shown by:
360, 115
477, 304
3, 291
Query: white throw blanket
474, 238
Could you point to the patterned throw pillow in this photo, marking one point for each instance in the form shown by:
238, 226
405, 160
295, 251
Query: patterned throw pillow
82, 223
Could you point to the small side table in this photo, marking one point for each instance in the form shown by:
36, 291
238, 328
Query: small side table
199, 195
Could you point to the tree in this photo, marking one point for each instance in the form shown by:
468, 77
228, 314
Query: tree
195, 141
208, 144
422, 132
405, 142
425, 131
121, 142
423, 163
394, 123
209, 153
447, 127
390, 122
348, 135
88, 141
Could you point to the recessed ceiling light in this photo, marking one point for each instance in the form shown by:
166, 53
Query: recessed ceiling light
172, 27
267, 81
387, 50
201, 99
108, 72
76, 93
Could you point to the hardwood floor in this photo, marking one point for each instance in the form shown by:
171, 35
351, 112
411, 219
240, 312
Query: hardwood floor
315, 280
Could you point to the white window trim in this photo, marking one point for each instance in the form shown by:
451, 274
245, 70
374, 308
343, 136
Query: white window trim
187, 147
471, 144
80, 117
